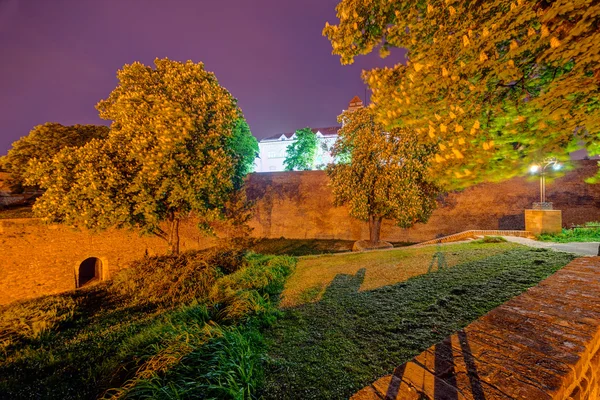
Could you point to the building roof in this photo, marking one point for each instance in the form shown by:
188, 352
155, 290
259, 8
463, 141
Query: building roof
329, 131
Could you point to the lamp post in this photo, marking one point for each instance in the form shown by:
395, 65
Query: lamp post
541, 169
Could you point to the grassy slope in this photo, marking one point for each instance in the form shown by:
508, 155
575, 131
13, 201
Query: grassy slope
334, 347
153, 320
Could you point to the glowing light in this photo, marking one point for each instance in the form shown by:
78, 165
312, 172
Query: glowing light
534, 168
556, 166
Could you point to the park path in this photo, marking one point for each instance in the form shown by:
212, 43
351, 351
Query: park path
579, 248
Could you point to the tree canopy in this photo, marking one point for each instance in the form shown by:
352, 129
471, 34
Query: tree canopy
381, 174
495, 84
244, 147
43, 142
169, 153
301, 154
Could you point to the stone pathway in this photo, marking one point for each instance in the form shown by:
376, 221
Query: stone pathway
541, 345
579, 248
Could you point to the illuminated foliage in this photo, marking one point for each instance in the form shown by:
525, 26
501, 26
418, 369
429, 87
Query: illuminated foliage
43, 142
381, 175
169, 154
497, 84
301, 154
244, 147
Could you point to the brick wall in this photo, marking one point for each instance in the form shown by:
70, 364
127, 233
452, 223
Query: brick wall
300, 205
36, 259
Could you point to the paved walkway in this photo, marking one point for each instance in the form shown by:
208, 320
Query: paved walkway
579, 248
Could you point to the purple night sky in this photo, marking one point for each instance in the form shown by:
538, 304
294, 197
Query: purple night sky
60, 57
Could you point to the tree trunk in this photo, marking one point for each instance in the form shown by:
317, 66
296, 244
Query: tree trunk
374, 228
174, 234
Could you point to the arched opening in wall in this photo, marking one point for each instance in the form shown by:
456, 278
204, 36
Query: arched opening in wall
90, 270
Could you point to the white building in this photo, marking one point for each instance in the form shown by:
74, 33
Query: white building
273, 149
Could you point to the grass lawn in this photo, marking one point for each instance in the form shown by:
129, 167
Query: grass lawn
351, 319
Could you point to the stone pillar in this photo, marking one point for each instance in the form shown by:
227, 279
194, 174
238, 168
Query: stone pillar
543, 221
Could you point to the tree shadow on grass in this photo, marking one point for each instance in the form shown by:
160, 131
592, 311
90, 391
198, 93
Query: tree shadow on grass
335, 347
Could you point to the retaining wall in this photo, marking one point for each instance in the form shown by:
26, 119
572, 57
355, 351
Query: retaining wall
300, 205
37, 259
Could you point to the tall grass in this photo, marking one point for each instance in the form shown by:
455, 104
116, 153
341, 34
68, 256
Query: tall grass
168, 327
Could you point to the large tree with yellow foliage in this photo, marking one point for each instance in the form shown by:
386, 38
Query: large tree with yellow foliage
169, 153
381, 174
496, 84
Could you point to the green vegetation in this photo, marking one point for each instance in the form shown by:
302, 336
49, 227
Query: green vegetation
168, 327
491, 239
43, 143
354, 334
301, 154
590, 232
381, 174
171, 151
497, 85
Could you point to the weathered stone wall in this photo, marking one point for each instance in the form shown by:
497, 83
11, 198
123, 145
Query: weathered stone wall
543, 344
37, 259
300, 205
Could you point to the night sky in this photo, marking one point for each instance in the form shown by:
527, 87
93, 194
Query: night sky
60, 57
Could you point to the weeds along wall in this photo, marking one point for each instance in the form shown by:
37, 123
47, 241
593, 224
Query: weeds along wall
300, 205
37, 259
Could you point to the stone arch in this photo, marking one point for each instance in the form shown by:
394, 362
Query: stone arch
91, 269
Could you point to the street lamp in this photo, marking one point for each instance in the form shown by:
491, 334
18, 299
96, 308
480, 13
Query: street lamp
541, 169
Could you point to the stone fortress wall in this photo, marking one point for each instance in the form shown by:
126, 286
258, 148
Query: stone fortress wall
36, 259
300, 205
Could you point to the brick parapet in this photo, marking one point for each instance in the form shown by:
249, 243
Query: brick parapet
543, 344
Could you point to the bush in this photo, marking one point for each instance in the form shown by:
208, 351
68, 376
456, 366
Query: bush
493, 239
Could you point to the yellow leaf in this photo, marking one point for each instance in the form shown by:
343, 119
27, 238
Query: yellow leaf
431, 131
476, 125
458, 154
531, 32
443, 147
485, 32
466, 41
458, 128
483, 57
511, 63
444, 71
461, 140
452, 10
452, 115
438, 117
439, 159
443, 128
429, 8
545, 31
514, 45
554, 42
